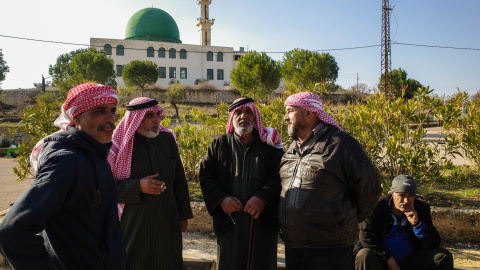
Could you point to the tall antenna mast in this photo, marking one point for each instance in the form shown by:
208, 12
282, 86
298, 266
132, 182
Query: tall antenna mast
386, 61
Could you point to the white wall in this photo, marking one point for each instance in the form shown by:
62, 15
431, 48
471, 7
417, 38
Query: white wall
195, 63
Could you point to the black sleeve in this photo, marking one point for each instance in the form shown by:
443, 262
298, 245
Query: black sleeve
128, 190
363, 180
213, 191
180, 187
270, 192
19, 239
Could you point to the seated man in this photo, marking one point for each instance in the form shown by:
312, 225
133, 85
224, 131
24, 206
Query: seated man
399, 233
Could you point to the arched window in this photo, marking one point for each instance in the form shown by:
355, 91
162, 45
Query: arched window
119, 50
183, 54
150, 52
108, 49
209, 56
220, 57
161, 52
172, 53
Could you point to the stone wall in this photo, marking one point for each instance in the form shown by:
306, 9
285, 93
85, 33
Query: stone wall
196, 96
454, 225
191, 96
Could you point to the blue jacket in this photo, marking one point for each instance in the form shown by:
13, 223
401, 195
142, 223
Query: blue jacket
67, 219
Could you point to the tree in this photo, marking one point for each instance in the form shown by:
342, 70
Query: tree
361, 91
140, 74
4, 69
92, 66
60, 72
400, 83
307, 69
174, 93
256, 75
83, 65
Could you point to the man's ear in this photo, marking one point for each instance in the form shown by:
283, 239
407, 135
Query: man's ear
76, 120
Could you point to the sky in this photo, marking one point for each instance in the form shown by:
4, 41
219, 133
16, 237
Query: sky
272, 26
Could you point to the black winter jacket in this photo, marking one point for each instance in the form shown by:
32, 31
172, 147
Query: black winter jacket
375, 228
72, 204
216, 177
326, 191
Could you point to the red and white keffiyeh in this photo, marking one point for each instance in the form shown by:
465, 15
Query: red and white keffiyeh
120, 156
267, 134
82, 98
79, 99
311, 102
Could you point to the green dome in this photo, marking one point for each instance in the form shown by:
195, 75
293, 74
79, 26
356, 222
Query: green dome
152, 24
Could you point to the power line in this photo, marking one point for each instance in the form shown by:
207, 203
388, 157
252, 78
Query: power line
318, 50
436, 46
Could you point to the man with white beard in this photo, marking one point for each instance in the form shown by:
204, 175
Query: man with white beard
152, 190
241, 186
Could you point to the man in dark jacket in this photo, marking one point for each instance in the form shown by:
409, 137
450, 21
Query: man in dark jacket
399, 233
67, 219
328, 186
241, 186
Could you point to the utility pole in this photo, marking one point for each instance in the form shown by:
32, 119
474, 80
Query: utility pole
357, 82
386, 59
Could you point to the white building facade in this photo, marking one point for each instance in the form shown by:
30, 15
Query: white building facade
152, 35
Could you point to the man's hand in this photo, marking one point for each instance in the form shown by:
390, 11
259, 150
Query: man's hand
149, 185
231, 204
183, 225
392, 264
254, 207
411, 214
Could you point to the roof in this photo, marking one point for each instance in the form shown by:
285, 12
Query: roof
152, 24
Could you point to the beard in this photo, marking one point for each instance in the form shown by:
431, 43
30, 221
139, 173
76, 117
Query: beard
243, 129
148, 132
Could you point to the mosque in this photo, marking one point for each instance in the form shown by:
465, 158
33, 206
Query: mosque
152, 34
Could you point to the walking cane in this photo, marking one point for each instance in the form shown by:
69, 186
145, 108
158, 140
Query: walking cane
250, 243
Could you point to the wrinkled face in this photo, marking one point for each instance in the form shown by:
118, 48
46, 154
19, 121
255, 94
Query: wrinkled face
98, 122
295, 118
150, 125
243, 121
403, 201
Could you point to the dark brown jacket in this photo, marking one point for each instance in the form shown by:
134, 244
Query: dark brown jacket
326, 191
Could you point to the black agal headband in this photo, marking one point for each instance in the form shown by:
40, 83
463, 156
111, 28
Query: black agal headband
134, 107
239, 103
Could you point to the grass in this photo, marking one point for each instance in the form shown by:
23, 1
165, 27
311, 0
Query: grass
459, 188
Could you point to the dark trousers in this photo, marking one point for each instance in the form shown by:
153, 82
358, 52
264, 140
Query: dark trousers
319, 258
423, 259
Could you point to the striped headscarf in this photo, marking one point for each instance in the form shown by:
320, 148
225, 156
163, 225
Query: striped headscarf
267, 134
82, 98
120, 156
311, 102
79, 99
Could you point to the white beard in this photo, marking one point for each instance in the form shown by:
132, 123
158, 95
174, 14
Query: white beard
148, 133
242, 130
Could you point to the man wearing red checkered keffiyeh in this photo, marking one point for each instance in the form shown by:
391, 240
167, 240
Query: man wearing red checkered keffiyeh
67, 219
152, 190
267, 134
240, 184
328, 186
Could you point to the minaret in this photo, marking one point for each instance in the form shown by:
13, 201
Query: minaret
205, 23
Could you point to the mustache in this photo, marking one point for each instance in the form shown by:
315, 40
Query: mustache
244, 121
107, 126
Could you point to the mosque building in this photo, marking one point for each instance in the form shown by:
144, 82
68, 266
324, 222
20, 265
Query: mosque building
152, 34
